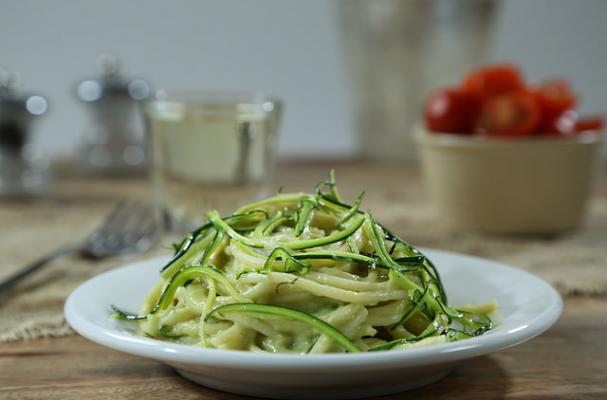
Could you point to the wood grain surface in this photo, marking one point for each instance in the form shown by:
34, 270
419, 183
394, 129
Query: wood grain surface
567, 362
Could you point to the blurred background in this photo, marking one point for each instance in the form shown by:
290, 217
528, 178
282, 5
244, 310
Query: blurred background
327, 59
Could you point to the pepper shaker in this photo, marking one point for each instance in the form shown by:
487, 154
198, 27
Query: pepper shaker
23, 170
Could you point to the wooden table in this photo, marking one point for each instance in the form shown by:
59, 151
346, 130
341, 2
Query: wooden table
567, 362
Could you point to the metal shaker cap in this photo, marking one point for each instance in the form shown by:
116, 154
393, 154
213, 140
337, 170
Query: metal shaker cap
16, 112
111, 83
11, 99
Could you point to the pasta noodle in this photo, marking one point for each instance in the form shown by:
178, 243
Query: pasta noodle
302, 273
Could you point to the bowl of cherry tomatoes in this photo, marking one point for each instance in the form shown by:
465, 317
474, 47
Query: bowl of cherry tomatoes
501, 155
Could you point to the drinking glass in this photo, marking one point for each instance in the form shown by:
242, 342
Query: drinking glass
210, 151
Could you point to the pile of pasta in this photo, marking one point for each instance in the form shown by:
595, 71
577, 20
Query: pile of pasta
302, 273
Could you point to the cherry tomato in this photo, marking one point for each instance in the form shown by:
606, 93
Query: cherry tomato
594, 123
493, 80
563, 124
555, 97
513, 114
451, 111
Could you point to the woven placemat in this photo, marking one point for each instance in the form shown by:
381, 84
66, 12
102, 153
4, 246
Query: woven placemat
573, 262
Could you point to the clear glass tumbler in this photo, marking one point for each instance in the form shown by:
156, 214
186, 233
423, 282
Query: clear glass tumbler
210, 151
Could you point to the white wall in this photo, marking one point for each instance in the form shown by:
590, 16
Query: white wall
287, 47
562, 38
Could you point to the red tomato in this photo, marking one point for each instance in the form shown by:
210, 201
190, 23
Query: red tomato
563, 124
594, 123
555, 97
494, 80
513, 114
451, 111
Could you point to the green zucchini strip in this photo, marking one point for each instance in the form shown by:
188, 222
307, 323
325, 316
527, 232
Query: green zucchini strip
328, 183
338, 256
417, 303
249, 250
285, 312
166, 332
179, 279
304, 214
289, 264
261, 227
221, 225
351, 257
178, 263
192, 272
275, 224
402, 281
333, 185
456, 334
429, 331
281, 200
194, 236
333, 194
353, 210
331, 200
352, 227
483, 325
338, 206
412, 251
212, 248
448, 311
323, 255
186, 244
278, 252
374, 233
437, 278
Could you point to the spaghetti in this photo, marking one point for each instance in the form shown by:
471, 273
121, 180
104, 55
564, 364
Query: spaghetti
302, 273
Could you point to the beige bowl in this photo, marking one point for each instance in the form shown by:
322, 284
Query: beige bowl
537, 185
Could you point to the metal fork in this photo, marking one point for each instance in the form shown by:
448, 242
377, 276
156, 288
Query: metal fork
129, 228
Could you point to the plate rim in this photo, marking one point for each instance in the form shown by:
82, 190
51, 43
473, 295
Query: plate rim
436, 354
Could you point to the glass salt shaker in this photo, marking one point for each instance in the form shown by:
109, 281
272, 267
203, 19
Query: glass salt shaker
114, 138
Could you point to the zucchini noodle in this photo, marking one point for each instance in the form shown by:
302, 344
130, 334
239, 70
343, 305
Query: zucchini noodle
302, 273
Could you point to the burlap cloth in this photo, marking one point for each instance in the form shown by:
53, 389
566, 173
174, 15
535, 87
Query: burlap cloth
573, 262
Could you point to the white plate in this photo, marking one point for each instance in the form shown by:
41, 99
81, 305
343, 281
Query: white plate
527, 307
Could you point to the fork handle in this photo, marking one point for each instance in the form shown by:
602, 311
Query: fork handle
11, 281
